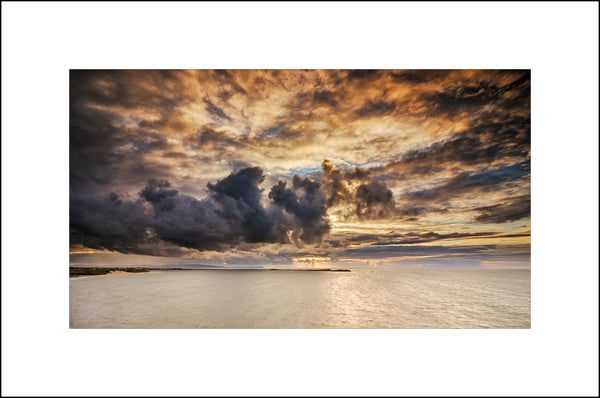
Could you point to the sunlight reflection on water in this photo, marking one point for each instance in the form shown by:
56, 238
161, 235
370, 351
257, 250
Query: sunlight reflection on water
293, 299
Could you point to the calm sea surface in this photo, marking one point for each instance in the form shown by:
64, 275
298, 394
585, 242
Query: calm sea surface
431, 298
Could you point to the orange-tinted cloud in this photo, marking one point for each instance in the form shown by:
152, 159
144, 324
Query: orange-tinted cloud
421, 151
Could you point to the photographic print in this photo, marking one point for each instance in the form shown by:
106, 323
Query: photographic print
299, 199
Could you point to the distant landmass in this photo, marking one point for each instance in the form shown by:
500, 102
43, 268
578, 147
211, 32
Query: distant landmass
187, 266
309, 269
249, 268
87, 271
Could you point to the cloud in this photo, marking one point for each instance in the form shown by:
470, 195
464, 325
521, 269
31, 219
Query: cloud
467, 182
498, 90
448, 254
162, 89
480, 145
215, 110
371, 198
206, 138
418, 76
231, 216
357, 174
156, 192
426, 237
317, 98
417, 238
114, 224
306, 202
105, 148
185, 160
362, 73
240, 199
334, 184
511, 209
376, 108
374, 200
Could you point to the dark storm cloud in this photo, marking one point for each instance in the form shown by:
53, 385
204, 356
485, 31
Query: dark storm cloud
374, 200
158, 193
376, 108
511, 209
239, 194
307, 203
468, 182
232, 215
115, 224
177, 222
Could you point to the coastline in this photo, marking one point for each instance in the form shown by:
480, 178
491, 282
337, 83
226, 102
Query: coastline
119, 272
151, 270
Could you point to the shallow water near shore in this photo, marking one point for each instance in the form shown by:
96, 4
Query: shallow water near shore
371, 299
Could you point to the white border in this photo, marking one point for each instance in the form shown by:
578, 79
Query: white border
558, 41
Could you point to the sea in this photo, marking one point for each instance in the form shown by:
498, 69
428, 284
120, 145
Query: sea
263, 299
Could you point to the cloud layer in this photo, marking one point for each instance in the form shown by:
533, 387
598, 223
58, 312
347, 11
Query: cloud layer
283, 164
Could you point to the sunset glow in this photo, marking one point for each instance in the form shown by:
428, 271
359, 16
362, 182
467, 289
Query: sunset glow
280, 168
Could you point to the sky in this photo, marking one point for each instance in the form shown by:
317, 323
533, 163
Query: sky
300, 168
